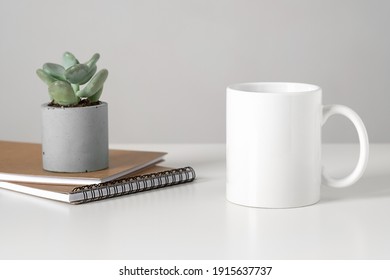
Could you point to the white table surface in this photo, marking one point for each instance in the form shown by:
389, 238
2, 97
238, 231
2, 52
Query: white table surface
194, 221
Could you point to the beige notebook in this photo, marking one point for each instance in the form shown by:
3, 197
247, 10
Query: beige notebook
22, 162
151, 178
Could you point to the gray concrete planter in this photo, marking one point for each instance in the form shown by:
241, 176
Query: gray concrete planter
75, 139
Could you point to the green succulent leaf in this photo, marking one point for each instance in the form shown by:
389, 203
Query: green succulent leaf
55, 70
77, 73
69, 60
62, 93
46, 78
96, 96
75, 87
94, 85
92, 72
92, 61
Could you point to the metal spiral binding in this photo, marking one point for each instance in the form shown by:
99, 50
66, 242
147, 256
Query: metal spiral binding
135, 184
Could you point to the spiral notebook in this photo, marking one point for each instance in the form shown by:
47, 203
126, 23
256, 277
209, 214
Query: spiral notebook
148, 179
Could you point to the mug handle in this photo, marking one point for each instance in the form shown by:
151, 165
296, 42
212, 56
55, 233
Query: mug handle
330, 110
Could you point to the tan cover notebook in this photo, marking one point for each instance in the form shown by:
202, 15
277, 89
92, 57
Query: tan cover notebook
22, 162
148, 179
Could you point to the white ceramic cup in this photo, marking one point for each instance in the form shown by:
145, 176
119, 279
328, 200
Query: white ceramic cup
273, 144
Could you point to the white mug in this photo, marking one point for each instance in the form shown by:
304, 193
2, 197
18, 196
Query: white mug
273, 144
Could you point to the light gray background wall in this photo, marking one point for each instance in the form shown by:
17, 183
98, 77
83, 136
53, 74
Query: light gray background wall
170, 61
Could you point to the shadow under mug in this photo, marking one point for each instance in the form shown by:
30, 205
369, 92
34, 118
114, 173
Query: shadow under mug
273, 144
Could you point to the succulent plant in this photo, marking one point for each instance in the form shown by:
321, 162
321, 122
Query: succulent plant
64, 81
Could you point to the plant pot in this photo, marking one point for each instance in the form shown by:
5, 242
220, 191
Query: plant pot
75, 139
